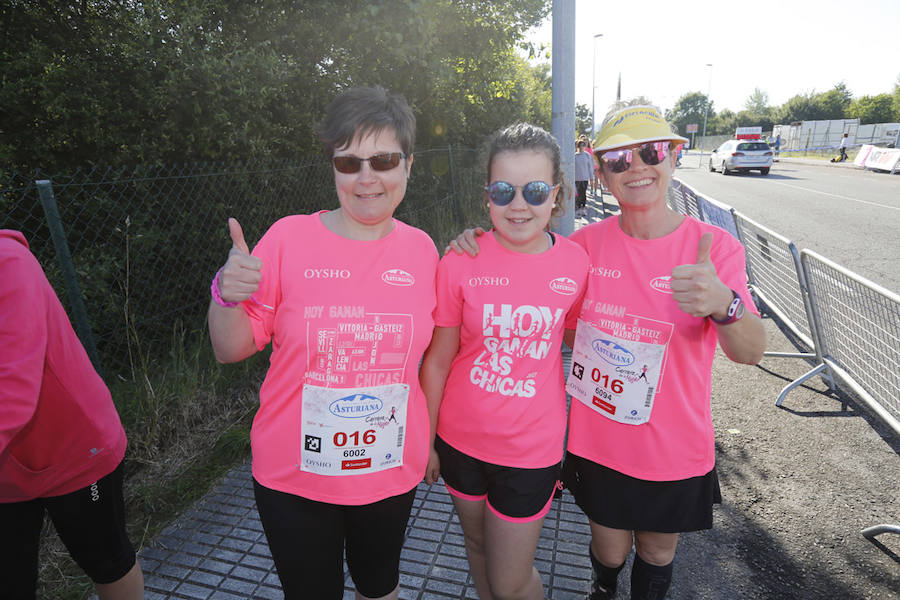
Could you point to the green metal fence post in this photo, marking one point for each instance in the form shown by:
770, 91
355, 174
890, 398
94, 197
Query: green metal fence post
456, 207
66, 266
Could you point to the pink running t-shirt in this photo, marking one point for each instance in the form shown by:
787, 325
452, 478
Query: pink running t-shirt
629, 296
349, 321
504, 401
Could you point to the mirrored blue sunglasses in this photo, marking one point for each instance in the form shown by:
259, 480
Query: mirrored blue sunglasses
535, 193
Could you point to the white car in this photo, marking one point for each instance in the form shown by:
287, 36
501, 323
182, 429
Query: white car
742, 155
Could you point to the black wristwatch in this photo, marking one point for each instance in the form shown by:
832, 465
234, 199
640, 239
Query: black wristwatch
735, 311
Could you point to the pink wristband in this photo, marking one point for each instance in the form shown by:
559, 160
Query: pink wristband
217, 295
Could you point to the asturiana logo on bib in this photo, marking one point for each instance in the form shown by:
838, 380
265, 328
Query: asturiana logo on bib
355, 406
564, 285
662, 284
612, 352
397, 277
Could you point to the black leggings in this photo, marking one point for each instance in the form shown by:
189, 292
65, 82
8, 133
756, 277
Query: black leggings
307, 541
89, 521
581, 194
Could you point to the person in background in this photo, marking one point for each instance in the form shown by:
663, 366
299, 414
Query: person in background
584, 173
777, 145
493, 372
663, 290
843, 148
589, 149
61, 441
345, 297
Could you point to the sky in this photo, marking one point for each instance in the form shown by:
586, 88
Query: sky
782, 47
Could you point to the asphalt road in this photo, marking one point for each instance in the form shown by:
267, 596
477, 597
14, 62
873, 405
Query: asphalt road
847, 215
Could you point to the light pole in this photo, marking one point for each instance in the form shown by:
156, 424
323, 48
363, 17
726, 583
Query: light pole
594, 86
706, 112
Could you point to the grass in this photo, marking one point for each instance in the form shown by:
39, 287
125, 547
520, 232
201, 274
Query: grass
188, 422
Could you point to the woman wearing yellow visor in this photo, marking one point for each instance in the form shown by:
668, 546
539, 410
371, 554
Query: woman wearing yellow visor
663, 290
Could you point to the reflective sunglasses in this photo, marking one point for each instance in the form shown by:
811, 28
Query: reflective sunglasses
379, 162
534, 192
619, 161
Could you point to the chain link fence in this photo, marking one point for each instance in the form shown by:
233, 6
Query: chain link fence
131, 251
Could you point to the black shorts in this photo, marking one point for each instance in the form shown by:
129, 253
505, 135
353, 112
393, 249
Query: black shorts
89, 521
615, 500
307, 538
512, 493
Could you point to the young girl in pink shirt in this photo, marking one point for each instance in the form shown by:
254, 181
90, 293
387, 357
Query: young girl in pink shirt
493, 372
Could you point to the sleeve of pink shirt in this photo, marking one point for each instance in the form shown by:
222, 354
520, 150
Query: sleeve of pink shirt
23, 338
575, 310
448, 312
262, 305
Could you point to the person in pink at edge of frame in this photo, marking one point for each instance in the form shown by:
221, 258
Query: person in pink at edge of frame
663, 289
345, 297
493, 372
61, 441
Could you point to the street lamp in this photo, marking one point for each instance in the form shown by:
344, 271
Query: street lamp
594, 86
708, 91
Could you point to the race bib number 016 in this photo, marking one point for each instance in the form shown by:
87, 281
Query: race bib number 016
614, 377
351, 431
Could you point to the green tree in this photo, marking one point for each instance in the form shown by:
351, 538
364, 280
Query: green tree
582, 120
802, 107
748, 118
691, 108
724, 123
896, 100
174, 80
835, 102
872, 109
758, 102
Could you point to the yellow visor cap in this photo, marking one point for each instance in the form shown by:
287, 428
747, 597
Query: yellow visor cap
634, 125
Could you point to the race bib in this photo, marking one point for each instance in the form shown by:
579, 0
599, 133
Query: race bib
352, 431
614, 377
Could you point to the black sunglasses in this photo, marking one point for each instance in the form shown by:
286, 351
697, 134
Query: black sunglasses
619, 161
379, 162
502, 193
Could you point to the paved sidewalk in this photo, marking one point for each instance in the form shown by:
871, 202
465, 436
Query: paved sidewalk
217, 549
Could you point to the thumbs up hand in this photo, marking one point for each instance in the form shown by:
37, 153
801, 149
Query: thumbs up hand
240, 276
697, 289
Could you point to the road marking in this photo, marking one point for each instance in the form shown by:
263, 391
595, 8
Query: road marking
836, 195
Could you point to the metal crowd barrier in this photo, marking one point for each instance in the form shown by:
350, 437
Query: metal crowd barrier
686, 200
776, 277
851, 324
859, 333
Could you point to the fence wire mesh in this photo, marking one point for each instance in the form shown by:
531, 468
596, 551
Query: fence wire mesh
145, 241
773, 266
859, 325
